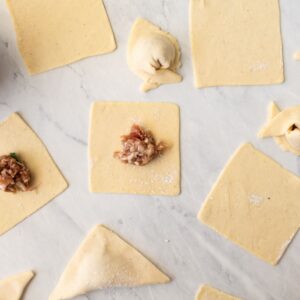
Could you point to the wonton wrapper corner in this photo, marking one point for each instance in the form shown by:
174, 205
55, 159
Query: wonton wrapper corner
207, 292
279, 126
236, 42
55, 33
104, 260
255, 204
108, 122
48, 182
13, 287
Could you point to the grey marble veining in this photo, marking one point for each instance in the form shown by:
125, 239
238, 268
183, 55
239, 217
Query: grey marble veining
214, 122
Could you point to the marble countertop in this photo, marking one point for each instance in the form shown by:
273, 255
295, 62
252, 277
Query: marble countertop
214, 122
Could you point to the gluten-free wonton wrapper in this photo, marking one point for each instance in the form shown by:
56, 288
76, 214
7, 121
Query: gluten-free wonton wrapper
255, 204
236, 42
16, 136
108, 122
54, 33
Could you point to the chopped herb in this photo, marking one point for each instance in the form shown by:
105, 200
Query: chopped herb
15, 156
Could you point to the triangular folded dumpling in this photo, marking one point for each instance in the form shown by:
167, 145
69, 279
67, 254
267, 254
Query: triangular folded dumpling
104, 260
13, 287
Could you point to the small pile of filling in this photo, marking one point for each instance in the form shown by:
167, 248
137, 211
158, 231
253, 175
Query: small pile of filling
14, 175
139, 147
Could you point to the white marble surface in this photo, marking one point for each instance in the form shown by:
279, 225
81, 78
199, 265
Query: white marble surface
214, 122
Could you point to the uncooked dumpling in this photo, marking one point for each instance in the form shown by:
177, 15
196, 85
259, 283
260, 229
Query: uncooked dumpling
12, 288
104, 260
153, 52
284, 127
153, 55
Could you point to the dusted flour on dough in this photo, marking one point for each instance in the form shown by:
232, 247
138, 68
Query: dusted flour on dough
236, 42
108, 122
254, 203
104, 260
54, 33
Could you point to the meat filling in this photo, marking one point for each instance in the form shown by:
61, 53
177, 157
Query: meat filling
14, 175
139, 147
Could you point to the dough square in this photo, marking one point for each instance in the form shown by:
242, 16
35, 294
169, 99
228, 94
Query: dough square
54, 33
17, 136
207, 292
109, 121
255, 203
236, 42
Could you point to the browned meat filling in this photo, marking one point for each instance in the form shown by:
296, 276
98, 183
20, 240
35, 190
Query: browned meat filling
14, 175
139, 147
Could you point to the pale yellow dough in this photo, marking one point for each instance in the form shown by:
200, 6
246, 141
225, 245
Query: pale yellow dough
54, 33
17, 136
102, 261
108, 122
280, 127
297, 55
12, 288
255, 203
153, 55
207, 292
236, 42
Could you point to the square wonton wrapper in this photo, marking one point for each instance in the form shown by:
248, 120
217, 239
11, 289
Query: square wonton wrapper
17, 136
111, 120
255, 203
54, 33
236, 42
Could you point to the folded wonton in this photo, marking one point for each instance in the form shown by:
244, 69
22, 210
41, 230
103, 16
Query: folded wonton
284, 127
153, 55
104, 260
